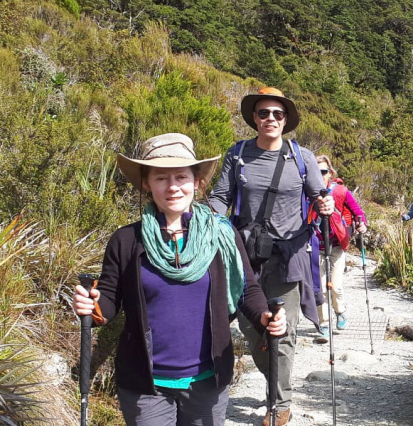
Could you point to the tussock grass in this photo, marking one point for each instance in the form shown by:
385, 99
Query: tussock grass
395, 258
38, 273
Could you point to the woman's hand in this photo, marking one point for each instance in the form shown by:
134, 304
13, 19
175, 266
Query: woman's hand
276, 326
361, 227
82, 303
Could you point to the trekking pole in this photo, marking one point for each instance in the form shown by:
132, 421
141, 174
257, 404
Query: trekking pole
86, 281
327, 250
363, 256
274, 305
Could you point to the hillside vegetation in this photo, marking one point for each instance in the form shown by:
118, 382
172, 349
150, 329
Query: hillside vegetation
83, 80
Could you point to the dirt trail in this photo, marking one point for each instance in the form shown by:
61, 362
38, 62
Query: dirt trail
371, 389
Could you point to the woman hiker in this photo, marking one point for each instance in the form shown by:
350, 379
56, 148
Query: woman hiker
344, 200
179, 274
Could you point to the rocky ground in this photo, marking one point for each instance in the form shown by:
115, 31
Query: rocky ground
370, 389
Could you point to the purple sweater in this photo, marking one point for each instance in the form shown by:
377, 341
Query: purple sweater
184, 349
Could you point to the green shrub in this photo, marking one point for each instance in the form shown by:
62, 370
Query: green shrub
314, 133
71, 5
255, 60
13, 24
9, 70
172, 107
378, 182
145, 54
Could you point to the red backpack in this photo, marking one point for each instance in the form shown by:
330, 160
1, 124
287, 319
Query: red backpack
339, 193
338, 223
341, 230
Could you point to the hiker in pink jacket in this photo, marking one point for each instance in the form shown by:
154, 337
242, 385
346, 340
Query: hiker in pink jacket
349, 210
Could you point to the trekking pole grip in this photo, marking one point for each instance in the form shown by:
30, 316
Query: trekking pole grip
274, 305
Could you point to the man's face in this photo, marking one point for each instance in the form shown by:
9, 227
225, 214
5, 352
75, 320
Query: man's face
270, 117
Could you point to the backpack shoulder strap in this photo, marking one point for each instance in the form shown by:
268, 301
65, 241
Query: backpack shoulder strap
339, 194
302, 169
298, 158
239, 162
239, 149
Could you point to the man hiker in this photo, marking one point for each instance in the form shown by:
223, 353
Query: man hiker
287, 274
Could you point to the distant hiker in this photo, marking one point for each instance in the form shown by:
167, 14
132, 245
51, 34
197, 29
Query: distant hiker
409, 215
179, 274
287, 274
348, 211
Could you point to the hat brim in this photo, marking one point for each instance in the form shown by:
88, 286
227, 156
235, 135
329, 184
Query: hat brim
132, 169
248, 104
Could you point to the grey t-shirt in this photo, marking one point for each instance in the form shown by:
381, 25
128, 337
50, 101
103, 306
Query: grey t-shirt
286, 221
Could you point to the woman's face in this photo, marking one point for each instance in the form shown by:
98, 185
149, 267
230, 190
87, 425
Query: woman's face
325, 171
172, 189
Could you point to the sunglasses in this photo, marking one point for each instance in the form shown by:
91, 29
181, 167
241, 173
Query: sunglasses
265, 113
324, 171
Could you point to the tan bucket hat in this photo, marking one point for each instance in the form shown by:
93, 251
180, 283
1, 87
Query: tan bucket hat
249, 101
168, 150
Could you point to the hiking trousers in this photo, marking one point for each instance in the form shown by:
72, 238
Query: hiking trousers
290, 294
338, 264
203, 404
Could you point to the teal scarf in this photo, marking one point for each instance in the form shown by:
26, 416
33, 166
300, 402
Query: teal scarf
207, 233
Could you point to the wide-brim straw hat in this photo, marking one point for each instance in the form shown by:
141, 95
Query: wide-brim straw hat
167, 151
249, 101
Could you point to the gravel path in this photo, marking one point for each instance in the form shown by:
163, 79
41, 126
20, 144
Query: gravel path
371, 389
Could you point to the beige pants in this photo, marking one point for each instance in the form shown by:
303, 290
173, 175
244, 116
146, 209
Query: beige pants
338, 264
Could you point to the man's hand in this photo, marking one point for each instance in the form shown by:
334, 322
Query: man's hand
325, 205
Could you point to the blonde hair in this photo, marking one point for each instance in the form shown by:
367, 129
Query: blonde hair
326, 159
